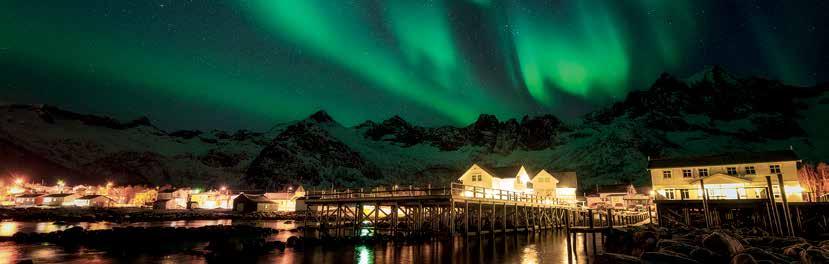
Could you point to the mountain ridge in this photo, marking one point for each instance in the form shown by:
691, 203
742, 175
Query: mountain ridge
711, 112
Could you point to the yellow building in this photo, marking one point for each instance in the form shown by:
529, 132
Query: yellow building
557, 185
726, 176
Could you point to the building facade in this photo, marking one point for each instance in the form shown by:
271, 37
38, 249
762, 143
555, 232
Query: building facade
554, 185
726, 176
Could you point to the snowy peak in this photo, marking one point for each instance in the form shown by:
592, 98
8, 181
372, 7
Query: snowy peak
51, 114
321, 117
713, 74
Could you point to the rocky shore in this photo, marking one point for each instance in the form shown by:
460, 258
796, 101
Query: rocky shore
132, 214
650, 244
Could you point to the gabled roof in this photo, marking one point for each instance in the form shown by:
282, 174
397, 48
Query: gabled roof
30, 195
566, 179
508, 171
59, 195
279, 196
255, 198
724, 159
93, 196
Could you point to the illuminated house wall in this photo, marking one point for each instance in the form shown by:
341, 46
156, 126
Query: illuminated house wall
522, 179
726, 176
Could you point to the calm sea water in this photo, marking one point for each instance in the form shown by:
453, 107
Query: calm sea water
544, 247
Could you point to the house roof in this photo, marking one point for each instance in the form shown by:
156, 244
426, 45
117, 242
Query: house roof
279, 195
510, 171
566, 179
92, 196
256, 198
30, 195
724, 159
59, 195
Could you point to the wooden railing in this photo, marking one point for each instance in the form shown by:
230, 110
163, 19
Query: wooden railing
455, 190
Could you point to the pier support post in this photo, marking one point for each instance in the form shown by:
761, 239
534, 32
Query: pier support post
770, 192
451, 217
786, 210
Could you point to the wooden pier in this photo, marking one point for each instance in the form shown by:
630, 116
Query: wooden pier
447, 211
776, 217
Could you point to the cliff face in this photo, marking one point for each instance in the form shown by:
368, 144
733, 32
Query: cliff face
708, 113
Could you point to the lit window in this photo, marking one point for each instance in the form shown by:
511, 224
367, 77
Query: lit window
666, 174
684, 195
731, 171
774, 169
750, 170
703, 172
669, 193
687, 173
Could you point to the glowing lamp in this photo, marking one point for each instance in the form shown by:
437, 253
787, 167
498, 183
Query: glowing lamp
18, 181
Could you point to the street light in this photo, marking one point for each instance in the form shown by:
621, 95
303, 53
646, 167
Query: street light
18, 181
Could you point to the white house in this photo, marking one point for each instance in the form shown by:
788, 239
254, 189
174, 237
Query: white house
726, 176
94, 200
60, 199
287, 201
556, 185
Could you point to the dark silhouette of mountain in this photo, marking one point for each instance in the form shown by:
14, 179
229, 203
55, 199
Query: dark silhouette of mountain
710, 112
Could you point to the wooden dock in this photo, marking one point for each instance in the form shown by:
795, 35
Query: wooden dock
452, 210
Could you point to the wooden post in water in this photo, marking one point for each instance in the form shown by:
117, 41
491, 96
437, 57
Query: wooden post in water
466, 218
786, 210
451, 217
705, 203
567, 231
770, 191
504, 219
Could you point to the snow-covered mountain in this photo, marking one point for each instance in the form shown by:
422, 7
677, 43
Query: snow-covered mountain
711, 112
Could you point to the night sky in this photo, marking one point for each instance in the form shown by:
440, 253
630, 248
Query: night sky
252, 64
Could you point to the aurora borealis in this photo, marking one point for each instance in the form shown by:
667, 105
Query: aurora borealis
251, 64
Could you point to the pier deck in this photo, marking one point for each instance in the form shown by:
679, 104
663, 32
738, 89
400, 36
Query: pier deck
451, 210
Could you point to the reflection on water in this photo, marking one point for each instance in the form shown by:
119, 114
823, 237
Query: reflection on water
544, 247
8, 228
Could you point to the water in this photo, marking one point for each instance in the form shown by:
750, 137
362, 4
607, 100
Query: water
544, 247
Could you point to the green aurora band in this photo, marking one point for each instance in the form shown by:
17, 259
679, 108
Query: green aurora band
434, 62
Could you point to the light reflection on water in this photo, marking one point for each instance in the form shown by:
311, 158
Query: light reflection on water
545, 247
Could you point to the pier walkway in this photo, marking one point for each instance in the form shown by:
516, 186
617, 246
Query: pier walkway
450, 210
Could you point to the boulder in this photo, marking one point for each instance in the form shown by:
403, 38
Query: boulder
743, 259
794, 250
666, 257
814, 255
763, 255
613, 258
722, 244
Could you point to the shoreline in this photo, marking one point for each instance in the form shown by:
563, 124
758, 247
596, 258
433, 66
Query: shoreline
119, 215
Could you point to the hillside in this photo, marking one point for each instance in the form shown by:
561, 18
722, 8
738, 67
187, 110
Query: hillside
712, 111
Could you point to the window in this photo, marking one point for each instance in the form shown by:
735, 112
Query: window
774, 169
703, 172
684, 194
750, 170
669, 193
731, 171
666, 174
476, 177
687, 173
